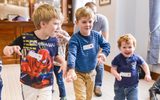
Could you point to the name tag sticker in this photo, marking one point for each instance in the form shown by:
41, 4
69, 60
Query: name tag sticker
125, 74
35, 55
88, 46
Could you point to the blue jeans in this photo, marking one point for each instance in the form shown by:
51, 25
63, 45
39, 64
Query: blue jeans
130, 93
99, 75
60, 82
1, 85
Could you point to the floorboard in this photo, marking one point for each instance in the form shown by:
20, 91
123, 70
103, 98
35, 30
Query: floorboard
12, 89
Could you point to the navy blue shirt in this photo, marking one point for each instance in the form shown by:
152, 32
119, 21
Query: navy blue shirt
128, 65
37, 59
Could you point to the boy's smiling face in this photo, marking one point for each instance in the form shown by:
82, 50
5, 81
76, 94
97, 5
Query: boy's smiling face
85, 25
127, 49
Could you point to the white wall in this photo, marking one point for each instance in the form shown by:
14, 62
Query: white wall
142, 26
128, 16
110, 12
77, 4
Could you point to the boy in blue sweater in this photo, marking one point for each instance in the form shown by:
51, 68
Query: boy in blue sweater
83, 54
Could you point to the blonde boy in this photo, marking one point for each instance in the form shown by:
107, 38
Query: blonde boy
38, 51
83, 54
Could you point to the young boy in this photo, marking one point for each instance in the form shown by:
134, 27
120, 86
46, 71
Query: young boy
63, 38
125, 69
83, 54
38, 50
102, 26
1, 82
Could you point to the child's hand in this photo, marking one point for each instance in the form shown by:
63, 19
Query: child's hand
71, 75
148, 77
9, 50
118, 77
101, 58
17, 50
63, 67
59, 35
62, 35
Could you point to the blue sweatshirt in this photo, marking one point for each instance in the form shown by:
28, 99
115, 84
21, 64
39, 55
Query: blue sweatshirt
83, 51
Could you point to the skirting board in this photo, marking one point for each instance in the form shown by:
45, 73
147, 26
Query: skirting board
153, 74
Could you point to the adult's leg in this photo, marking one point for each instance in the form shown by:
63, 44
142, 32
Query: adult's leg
98, 79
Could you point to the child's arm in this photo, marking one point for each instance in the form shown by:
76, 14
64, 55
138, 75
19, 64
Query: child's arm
101, 58
71, 75
105, 46
145, 67
9, 50
63, 35
115, 73
63, 65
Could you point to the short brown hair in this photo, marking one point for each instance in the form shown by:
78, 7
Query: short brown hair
90, 4
44, 13
84, 12
128, 38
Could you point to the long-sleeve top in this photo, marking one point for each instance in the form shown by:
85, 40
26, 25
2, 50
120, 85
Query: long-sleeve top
83, 51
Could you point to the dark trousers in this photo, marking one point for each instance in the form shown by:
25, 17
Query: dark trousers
1, 85
99, 75
60, 82
155, 89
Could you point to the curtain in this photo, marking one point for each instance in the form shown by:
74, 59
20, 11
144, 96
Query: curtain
154, 25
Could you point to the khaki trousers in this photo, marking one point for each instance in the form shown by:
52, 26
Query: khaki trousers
84, 85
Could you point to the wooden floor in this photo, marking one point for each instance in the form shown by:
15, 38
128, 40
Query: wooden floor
12, 90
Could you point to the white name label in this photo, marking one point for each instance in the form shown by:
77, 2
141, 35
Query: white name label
125, 74
88, 46
35, 55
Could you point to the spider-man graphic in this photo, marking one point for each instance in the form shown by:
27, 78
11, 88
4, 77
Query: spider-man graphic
37, 65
